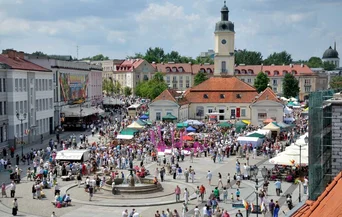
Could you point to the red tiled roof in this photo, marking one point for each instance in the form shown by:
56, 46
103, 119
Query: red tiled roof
327, 205
223, 84
186, 67
129, 65
21, 64
222, 90
271, 70
171, 94
267, 94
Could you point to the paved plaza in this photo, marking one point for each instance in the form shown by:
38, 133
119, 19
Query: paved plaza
106, 204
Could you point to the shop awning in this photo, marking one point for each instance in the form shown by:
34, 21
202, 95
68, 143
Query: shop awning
224, 124
257, 135
182, 125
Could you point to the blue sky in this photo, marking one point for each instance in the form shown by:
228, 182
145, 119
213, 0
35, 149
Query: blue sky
118, 28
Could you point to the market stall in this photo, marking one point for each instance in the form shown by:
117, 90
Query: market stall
135, 125
255, 141
273, 128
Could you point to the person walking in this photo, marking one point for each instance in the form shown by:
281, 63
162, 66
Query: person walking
202, 192
186, 196
184, 209
209, 177
186, 175
12, 188
3, 190
177, 193
276, 209
228, 181
278, 187
15, 207
220, 180
271, 206
91, 192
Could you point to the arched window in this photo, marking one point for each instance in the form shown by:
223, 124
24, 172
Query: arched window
223, 66
209, 70
174, 69
180, 69
168, 69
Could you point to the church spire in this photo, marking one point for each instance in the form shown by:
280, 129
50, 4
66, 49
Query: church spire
224, 12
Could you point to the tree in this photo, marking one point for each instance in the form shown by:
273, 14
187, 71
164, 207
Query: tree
199, 78
98, 57
278, 59
117, 87
108, 86
152, 88
203, 60
248, 57
315, 62
155, 55
261, 81
127, 91
173, 56
290, 86
328, 66
336, 82
136, 56
39, 53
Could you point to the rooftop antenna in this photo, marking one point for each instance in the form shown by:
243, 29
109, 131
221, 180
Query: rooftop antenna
77, 47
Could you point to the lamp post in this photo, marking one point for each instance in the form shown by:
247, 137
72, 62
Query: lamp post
255, 173
264, 173
21, 118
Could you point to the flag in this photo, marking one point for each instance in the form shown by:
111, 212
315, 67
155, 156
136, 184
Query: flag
245, 204
27, 131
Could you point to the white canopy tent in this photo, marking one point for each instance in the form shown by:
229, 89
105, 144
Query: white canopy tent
135, 125
256, 142
124, 137
193, 122
112, 101
73, 155
287, 110
291, 157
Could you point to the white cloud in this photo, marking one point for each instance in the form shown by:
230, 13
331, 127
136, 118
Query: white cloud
116, 37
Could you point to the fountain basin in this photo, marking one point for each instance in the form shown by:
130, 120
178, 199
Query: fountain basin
145, 186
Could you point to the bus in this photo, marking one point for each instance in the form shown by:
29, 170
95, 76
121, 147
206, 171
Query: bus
133, 110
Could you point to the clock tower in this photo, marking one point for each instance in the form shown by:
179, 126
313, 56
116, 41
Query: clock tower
224, 45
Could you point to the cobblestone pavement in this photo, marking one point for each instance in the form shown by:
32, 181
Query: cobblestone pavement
31, 207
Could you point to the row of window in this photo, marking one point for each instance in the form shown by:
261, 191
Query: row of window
20, 84
44, 104
43, 84
174, 78
2, 84
233, 111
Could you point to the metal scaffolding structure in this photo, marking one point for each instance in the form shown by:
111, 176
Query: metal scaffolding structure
320, 145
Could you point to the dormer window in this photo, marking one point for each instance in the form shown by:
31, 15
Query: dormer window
250, 71
294, 72
174, 69
222, 96
276, 72
238, 96
202, 70
285, 72
205, 96
268, 72
168, 69
180, 69
208, 70
237, 71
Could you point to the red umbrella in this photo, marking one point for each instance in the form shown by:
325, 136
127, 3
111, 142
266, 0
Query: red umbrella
187, 138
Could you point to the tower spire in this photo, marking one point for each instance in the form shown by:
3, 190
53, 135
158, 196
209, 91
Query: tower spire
335, 45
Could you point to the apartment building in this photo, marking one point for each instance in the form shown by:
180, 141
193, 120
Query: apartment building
27, 97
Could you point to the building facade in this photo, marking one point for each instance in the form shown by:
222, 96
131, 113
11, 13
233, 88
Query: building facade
73, 82
132, 71
309, 80
29, 106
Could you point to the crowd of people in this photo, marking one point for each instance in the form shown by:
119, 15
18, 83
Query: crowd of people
110, 155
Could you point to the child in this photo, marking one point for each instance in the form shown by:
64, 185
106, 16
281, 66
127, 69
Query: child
232, 197
237, 194
225, 195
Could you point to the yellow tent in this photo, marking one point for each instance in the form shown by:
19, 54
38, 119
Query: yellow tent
135, 125
272, 127
246, 122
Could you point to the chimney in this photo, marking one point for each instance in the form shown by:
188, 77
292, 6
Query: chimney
153, 62
11, 53
302, 65
21, 54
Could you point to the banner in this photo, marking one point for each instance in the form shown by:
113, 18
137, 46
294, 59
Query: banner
73, 87
153, 139
159, 134
181, 138
172, 137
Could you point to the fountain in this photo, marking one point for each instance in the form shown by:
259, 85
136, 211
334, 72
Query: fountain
132, 184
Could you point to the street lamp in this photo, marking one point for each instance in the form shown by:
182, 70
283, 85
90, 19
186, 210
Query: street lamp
21, 118
255, 173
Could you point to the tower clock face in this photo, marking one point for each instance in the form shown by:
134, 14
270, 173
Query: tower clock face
224, 41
